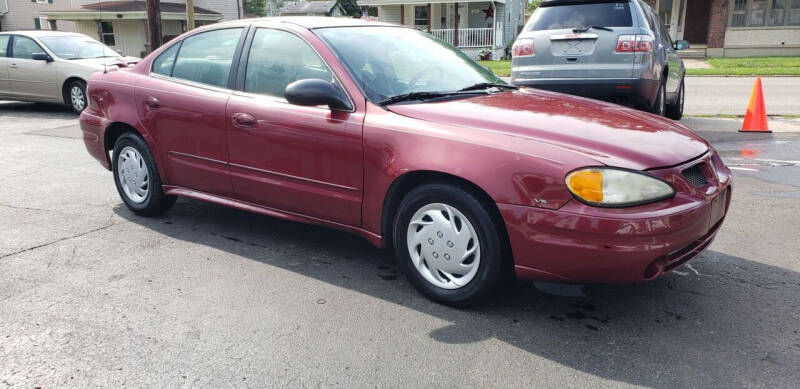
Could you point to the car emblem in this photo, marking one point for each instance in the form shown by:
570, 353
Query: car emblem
573, 46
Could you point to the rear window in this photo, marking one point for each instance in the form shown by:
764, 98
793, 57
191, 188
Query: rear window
581, 15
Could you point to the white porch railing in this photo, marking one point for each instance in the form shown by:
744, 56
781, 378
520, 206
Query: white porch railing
470, 37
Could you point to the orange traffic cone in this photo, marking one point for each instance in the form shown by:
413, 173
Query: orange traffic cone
755, 120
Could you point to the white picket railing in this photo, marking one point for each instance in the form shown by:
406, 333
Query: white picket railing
467, 37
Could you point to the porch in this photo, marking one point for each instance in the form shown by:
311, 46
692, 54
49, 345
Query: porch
475, 27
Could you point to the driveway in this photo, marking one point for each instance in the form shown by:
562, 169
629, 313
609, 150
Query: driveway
94, 296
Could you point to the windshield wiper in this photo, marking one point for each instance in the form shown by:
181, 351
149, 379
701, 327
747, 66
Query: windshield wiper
420, 96
587, 28
486, 85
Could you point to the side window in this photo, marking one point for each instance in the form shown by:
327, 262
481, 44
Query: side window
278, 58
206, 57
3, 44
163, 63
25, 48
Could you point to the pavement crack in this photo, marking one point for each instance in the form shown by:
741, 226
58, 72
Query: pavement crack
62, 239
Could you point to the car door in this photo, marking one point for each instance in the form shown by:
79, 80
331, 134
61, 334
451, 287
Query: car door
306, 160
30, 78
672, 59
182, 105
5, 85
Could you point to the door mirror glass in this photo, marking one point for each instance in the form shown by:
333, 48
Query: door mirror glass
681, 45
40, 57
313, 92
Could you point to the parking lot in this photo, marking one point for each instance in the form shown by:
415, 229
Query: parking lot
92, 295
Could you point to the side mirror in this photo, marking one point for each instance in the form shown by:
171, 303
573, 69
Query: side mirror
313, 91
41, 57
681, 45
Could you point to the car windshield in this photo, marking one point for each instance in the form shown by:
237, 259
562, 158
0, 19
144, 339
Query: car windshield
77, 47
605, 14
388, 62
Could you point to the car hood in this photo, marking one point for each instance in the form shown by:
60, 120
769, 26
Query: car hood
100, 63
610, 134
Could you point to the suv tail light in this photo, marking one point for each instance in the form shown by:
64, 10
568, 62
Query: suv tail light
634, 44
522, 48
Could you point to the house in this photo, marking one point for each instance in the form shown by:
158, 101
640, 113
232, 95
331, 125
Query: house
734, 28
479, 28
312, 8
119, 24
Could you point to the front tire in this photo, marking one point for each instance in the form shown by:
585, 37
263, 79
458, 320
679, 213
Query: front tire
448, 244
136, 177
675, 111
76, 96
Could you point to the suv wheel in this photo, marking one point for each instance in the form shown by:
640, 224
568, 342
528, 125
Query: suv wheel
675, 111
136, 177
448, 244
659, 106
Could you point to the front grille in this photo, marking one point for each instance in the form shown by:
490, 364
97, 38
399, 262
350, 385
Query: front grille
695, 175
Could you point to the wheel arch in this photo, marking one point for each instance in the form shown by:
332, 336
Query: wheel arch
118, 128
65, 88
404, 183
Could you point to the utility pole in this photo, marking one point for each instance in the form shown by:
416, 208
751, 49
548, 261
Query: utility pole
189, 15
154, 24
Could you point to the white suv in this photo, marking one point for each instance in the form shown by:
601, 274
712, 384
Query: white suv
52, 66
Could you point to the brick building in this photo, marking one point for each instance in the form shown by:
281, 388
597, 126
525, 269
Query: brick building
734, 28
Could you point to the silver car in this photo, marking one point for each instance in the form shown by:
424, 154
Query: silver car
615, 50
52, 66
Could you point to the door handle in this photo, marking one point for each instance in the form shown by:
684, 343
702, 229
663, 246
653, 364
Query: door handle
13, 65
244, 120
152, 102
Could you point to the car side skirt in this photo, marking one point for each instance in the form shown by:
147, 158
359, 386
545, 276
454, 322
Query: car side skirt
372, 238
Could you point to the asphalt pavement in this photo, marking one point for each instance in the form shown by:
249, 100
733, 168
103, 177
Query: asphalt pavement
729, 95
94, 296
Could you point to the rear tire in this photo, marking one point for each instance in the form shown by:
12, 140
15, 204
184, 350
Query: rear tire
136, 177
659, 106
675, 111
448, 244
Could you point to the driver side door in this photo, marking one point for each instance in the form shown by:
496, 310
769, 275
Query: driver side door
5, 85
30, 78
306, 160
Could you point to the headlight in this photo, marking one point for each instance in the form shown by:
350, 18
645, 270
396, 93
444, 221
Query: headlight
612, 187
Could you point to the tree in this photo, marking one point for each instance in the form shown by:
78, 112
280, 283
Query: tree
532, 5
351, 7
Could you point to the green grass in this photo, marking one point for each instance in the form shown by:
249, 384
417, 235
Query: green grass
501, 68
747, 66
750, 66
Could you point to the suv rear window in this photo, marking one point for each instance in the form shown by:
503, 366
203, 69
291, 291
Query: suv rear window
604, 14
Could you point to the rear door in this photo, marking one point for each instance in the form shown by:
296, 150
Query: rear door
5, 86
578, 40
29, 78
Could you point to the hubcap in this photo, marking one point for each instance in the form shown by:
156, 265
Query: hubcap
77, 97
133, 175
443, 246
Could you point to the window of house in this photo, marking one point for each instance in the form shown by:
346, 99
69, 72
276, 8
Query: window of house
44, 1
421, 15
279, 58
757, 13
107, 33
206, 57
37, 24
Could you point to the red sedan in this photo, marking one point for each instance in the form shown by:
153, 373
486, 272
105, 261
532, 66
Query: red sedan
388, 133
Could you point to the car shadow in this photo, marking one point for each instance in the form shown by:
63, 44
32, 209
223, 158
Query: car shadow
26, 109
724, 321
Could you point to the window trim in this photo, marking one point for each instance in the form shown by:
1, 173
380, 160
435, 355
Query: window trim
103, 33
747, 12
234, 61
240, 76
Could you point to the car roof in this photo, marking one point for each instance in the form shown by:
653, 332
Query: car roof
551, 3
42, 33
310, 22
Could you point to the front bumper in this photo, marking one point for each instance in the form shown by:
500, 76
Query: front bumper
629, 91
581, 243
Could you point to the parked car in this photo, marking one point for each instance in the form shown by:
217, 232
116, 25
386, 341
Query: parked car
615, 50
52, 66
386, 132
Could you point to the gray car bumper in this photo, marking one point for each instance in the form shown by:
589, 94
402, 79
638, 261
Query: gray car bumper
633, 91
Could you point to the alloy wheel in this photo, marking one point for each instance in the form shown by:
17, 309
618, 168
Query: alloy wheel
77, 97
